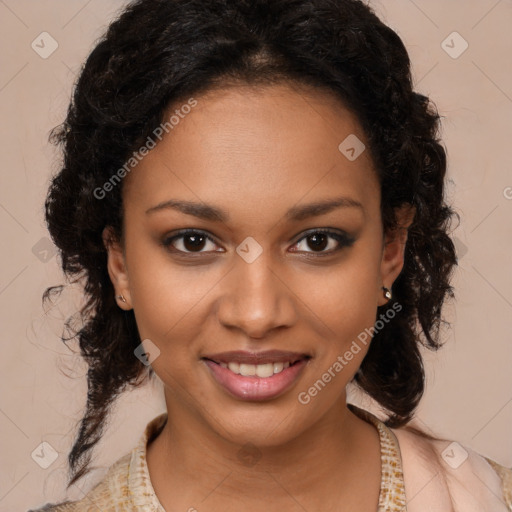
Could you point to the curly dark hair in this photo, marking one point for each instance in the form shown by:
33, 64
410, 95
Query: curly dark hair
158, 52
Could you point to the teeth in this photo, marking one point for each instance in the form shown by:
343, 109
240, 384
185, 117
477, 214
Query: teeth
247, 369
264, 370
234, 367
259, 370
278, 367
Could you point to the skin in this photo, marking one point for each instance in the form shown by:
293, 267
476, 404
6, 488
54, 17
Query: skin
256, 153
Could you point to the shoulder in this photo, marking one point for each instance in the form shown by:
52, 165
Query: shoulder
441, 474
125, 486
505, 475
108, 494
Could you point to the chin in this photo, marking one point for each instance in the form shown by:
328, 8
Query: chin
264, 429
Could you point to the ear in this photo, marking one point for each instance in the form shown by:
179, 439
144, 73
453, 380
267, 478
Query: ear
394, 247
116, 266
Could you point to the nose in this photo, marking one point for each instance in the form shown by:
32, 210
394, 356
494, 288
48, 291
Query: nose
256, 299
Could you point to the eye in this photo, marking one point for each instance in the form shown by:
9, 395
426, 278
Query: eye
319, 240
189, 241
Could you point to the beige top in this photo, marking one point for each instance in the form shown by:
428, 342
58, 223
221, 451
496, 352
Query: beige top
127, 485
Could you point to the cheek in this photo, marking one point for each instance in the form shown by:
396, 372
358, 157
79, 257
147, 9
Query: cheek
165, 296
166, 303
345, 295
346, 306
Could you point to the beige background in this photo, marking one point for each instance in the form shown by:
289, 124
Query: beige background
469, 394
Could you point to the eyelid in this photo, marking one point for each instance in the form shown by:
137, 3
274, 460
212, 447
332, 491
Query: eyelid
168, 239
342, 238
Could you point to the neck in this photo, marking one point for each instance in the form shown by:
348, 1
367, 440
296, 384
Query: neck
188, 458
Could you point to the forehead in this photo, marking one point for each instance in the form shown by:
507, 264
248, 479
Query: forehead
256, 147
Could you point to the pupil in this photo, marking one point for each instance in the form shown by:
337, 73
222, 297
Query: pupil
316, 243
197, 240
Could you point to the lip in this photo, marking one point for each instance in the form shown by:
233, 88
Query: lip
245, 357
256, 388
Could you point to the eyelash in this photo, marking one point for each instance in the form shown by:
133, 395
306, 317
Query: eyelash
343, 239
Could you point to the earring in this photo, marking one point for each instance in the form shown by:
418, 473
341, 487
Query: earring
120, 297
387, 292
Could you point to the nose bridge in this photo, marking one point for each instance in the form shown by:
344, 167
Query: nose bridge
256, 300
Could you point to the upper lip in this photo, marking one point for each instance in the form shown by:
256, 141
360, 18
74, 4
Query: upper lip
267, 356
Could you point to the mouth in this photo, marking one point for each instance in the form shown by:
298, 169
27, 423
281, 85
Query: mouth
256, 376
255, 370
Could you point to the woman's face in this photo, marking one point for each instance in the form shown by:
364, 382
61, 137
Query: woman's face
256, 273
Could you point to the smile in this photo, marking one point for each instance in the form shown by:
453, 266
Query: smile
256, 382
258, 370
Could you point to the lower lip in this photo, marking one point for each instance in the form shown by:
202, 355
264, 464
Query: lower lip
256, 388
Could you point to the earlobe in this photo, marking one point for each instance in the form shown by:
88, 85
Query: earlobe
116, 267
394, 248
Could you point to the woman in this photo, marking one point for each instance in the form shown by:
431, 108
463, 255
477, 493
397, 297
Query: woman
252, 194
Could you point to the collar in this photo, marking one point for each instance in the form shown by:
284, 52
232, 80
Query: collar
392, 491
139, 484
392, 487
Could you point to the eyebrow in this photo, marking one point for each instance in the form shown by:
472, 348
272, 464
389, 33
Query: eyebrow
296, 213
